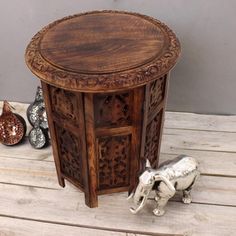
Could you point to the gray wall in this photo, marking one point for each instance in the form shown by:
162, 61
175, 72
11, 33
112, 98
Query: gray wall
204, 79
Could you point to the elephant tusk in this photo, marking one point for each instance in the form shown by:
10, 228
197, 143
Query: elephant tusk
166, 181
134, 211
130, 196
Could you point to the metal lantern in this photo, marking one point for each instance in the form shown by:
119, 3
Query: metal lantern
36, 111
36, 114
38, 138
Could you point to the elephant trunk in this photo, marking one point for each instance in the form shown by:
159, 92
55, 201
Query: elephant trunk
134, 211
130, 196
140, 196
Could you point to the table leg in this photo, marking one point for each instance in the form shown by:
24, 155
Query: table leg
52, 133
91, 198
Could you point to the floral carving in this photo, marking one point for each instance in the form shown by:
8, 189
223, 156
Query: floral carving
70, 154
113, 161
152, 140
93, 82
64, 103
113, 109
157, 90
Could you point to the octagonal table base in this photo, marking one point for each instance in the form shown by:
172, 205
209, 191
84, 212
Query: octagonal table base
100, 140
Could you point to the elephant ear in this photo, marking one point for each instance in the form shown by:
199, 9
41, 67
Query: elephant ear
144, 164
156, 184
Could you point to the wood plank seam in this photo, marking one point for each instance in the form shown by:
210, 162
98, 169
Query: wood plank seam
89, 227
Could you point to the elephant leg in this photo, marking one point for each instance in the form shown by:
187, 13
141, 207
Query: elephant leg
161, 202
187, 199
156, 198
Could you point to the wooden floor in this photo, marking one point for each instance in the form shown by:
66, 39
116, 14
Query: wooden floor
32, 203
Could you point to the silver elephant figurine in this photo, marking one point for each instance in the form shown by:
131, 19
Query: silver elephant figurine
179, 174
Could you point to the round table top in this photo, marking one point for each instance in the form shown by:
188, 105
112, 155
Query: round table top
102, 51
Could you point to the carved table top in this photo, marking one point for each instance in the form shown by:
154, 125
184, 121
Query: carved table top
102, 51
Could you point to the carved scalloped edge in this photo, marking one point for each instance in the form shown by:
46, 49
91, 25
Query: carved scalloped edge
102, 82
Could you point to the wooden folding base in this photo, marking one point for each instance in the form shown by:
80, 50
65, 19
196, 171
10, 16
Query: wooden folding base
100, 140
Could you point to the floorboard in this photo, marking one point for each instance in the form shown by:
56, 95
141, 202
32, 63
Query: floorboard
182, 120
32, 203
67, 207
178, 139
21, 227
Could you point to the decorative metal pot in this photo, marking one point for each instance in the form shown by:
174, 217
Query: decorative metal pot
12, 126
38, 137
36, 111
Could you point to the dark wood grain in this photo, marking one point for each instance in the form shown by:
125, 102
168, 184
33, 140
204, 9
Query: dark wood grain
75, 52
137, 113
90, 40
153, 120
104, 78
54, 141
113, 131
91, 168
167, 77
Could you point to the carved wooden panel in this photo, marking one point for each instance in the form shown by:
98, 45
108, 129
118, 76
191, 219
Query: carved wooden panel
70, 151
157, 90
65, 103
152, 139
113, 109
113, 161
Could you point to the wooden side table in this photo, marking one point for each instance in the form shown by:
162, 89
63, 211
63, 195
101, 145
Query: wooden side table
104, 76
